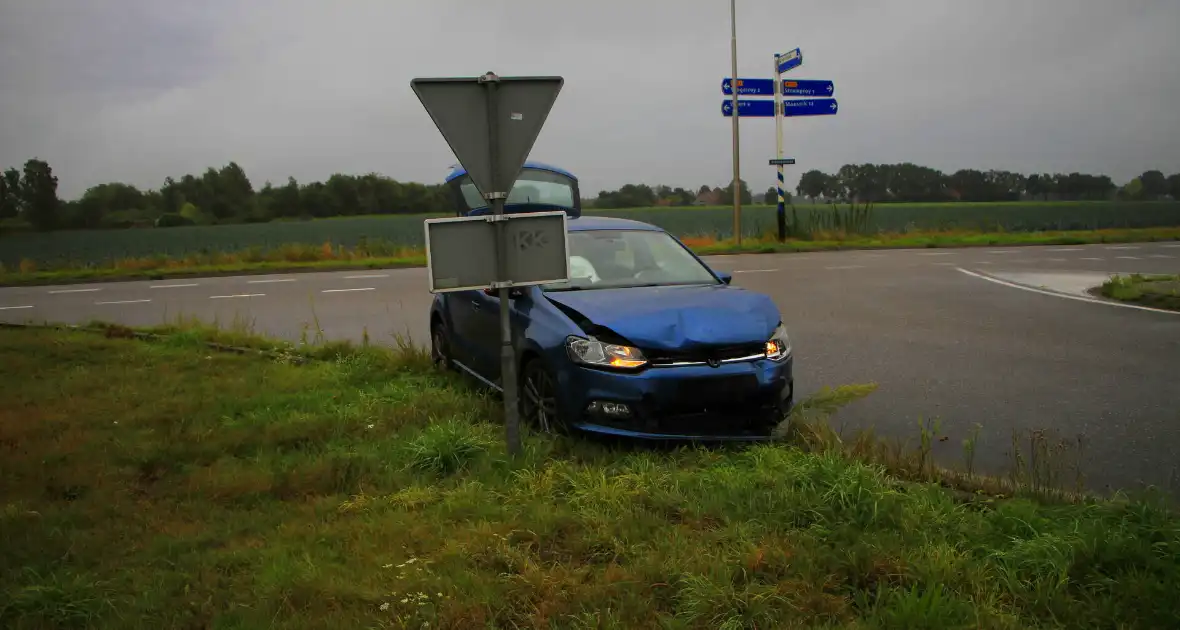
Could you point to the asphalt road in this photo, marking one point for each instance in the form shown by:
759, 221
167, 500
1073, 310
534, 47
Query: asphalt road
939, 342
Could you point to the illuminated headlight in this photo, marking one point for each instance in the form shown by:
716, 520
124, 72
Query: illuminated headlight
778, 347
598, 354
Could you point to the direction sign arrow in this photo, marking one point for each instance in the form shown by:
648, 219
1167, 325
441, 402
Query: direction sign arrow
749, 87
467, 113
748, 108
789, 61
808, 87
810, 107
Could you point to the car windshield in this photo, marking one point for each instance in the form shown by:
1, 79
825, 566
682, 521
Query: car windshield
609, 259
532, 186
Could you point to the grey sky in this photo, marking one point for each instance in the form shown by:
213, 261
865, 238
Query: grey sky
136, 90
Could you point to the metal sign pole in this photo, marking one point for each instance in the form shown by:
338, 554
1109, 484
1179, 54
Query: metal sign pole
737, 171
497, 198
778, 141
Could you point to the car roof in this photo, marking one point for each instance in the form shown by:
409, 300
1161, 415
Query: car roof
459, 171
586, 222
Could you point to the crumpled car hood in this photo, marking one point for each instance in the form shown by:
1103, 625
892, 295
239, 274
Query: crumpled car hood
678, 317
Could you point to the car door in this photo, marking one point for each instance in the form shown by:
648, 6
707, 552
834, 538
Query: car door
485, 334
462, 312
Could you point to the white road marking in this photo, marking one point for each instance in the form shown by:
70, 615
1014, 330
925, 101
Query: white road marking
1172, 246
1025, 260
986, 262
1159, 256
173, 286
1002, 251
1056, 259
1123, 247
367, 276
755, 270
1065, 249
270, 280
1090, 259
123, 302
1065, 295
1128, 258
846, 267
10, 308
75, 290
347, 290
935, 253
238, 295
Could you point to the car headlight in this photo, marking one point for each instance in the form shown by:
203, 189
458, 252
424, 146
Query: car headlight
599, 354
778, 347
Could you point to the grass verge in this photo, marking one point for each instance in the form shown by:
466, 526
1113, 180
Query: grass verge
328, 257
1157, 291
157, 483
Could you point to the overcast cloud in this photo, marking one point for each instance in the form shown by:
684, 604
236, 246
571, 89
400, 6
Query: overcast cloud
136, 90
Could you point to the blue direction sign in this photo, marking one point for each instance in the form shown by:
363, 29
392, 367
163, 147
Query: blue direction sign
749, 87
809, 107
748, 108
789, 60
807, 87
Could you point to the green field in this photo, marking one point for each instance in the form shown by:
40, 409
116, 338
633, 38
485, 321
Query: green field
162, 484
77, 248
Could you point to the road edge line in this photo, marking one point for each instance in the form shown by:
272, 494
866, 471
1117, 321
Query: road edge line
1025, 287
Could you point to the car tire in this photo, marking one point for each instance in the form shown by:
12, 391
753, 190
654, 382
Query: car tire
440, 347
538, 398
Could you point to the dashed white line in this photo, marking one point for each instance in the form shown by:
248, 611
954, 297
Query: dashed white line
1001, 251
237, 295
1099, 259
123, 302
10, 308
1160, 256
367, 276
1024, 260
948, 264
846, 267
1174, 245
75, 290
755, 270
1057, 259
347, 290
270, 280
174, 286
1065, 249
1128, 258
1123, 247
935, 253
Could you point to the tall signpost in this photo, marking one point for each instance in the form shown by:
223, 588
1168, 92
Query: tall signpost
735, 111
779, 108
491, 123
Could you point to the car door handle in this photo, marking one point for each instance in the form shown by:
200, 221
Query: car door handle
475, 304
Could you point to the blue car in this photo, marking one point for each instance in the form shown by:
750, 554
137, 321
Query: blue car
644, 340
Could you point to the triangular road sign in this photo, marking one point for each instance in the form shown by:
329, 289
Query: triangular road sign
489, 122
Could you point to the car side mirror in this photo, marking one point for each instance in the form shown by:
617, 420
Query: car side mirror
513, 293
725, 276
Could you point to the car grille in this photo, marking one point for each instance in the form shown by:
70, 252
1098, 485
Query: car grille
705, 354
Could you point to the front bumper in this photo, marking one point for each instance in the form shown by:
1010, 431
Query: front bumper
734, 401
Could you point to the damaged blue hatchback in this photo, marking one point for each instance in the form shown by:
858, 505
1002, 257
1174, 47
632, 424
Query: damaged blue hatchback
644, 340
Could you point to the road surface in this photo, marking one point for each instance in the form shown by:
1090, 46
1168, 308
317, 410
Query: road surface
932, 327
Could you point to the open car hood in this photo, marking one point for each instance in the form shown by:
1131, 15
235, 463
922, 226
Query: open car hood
675, 318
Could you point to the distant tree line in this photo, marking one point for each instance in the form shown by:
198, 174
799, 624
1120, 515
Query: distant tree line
912, 183
225, 195
222, 195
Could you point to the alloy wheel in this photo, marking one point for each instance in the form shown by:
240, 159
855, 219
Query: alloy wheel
539, 398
